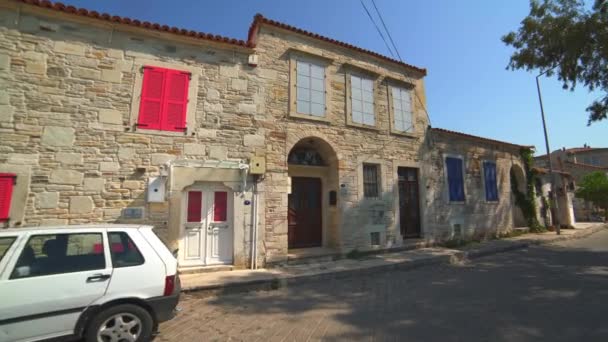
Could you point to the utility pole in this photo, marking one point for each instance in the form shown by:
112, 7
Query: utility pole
553, 180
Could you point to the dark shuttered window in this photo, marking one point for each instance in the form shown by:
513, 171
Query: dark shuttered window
455, 179
371, 187
491, 185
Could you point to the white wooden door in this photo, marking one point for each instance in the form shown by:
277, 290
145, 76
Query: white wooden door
219, 228
208, 228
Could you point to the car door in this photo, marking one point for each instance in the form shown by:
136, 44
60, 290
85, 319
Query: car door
55, 277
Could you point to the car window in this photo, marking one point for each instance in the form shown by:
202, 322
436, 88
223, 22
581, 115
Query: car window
5, 244
60, 253
123, 250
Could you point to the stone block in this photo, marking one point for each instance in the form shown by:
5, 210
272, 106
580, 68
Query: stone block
88, 74
34, 56
253, 140
161, 158
112, 213
114, 76
38, 68
47, 200
126, 153
23, 158
118, 54
81, 204
3, 99
59, 176
238, 84
110, 116
6, 113
69, 48
229, 70
109, 166
213, 94
54, 222
58, 136
131, 184
214, 107
57, 71
94, 184
194, 149
247, 108
268, 74
207, 133
69, 158
5, 62
218, 152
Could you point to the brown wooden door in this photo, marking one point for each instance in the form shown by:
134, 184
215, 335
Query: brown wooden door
409, 205
304, 217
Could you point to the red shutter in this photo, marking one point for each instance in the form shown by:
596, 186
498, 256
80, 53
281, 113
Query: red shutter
220, 206
7, 181
195, 199
176, 101
151, 105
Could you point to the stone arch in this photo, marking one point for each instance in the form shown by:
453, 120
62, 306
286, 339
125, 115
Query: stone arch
312, 164
518, 176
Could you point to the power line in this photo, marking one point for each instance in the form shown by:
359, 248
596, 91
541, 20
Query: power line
377, 29
385, 29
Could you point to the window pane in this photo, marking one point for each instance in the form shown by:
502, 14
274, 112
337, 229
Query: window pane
60, 253
397, 104
317, 109
195, 202
367, 85
303, 107
357, 117
123, 250
317, 97
5, 244
220, 206
357, 106
317, 71
303, 94
317, 84
356, 94
355, 82
368, 119
303, 68
396, 93
303, 82
368, 108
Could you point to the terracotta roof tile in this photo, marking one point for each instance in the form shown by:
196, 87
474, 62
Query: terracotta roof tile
474, 137
57, 6
260, 19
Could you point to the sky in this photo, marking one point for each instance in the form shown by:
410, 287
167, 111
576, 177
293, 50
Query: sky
468, 88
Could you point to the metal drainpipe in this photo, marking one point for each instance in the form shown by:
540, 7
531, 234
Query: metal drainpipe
254, 226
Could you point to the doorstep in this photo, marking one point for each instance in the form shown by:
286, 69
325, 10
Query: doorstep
217, 283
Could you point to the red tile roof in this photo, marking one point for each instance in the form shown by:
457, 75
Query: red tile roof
588, 166
57, 6
260, 20
250, 43
474, 137
544, 171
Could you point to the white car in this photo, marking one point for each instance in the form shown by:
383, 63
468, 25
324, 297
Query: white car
100, 283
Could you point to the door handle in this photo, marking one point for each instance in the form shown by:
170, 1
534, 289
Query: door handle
98, 278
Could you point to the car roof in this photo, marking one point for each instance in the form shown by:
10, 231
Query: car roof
79, 226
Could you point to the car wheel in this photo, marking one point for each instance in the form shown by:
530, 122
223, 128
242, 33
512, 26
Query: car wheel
120, 323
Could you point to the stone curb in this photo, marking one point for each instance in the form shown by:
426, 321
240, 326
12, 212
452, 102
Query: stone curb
452, 257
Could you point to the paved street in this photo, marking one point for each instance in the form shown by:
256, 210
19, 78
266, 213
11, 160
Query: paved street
548, 293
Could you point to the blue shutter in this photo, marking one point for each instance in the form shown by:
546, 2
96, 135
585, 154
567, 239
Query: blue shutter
455, 179
491, 184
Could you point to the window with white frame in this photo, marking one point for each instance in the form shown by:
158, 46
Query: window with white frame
310, 88
362, 100
402, 110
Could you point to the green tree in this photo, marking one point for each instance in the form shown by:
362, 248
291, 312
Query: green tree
594, 188
572, 38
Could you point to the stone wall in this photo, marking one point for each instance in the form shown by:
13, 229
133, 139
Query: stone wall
476, 215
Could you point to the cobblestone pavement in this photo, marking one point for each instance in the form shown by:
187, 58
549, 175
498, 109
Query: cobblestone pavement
549, 293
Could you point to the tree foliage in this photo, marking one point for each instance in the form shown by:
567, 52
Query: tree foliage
570, 37
594, 188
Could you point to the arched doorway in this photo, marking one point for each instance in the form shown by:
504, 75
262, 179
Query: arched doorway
312, 215
518, 184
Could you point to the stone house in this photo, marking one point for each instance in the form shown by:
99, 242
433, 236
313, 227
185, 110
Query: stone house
238, 152
577, 162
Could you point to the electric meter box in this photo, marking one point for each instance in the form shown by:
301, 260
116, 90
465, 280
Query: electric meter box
257, 165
